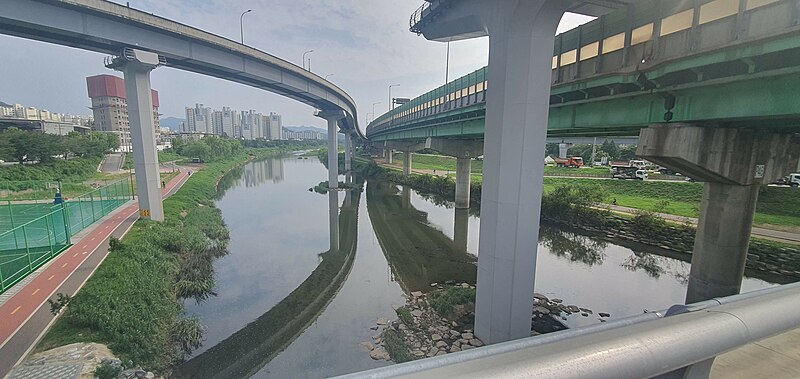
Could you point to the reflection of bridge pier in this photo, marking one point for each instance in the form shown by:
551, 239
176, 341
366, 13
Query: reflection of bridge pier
406, 193
461, 229
333, 219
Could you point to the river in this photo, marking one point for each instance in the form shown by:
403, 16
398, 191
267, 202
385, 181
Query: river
288, 305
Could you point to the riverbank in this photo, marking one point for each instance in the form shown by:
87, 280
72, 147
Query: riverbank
133, 301
568, 203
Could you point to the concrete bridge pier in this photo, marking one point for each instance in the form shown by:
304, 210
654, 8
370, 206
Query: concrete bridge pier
136, 66
407, 148
387, 154
333, 117
733, 163
521, 38
463, 151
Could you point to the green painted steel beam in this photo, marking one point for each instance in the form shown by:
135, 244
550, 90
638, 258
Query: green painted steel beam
760, 101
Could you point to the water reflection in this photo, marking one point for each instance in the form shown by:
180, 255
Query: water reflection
655, 266
259, 172
575, 247
249, 349
417, 252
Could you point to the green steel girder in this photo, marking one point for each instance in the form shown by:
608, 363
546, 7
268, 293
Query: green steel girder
770, 101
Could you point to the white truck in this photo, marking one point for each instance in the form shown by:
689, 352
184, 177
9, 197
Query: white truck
794, 180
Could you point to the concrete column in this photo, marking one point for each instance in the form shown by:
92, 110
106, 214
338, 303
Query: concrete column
722, 240
463, 169
521, 37
333, 219
407, 162
388, 154
460, 229
333, 118
348, 152
733, 163
562, 150
136, 71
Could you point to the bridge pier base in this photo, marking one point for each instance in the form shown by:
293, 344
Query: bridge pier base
136, 72
387, 154
407, 148
333, 118
733, 163
463, 183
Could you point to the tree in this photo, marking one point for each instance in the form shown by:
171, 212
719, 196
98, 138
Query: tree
610, 148
627, 153
551, 149
580, 150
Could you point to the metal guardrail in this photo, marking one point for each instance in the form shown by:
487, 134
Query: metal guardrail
681, 342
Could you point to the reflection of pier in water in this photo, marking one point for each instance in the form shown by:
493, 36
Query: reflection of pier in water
249, 349
418, 253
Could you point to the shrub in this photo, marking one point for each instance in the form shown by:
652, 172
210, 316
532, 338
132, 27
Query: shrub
107, 371
443, 303
405, 316
395, 346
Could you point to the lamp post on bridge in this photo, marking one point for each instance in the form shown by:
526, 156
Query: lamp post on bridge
328, 76
241, 24
304, 59
391, 104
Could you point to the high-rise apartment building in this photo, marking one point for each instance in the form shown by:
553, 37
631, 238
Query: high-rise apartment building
110, 108
199, 119
275, 126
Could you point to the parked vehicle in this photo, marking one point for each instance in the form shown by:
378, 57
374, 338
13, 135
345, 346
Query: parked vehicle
573, 162
628, 172
794, 180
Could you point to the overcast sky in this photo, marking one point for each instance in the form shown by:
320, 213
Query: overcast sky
365, 44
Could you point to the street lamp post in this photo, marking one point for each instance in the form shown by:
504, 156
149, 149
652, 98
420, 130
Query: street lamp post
328, 76
391, 105
241, 24
304, 59
373, 110
447, 65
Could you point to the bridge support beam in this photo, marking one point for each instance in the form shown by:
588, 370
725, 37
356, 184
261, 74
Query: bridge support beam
463, 151
333, 118
136, 69
733, 163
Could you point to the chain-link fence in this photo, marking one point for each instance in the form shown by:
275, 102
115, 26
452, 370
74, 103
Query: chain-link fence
34, 231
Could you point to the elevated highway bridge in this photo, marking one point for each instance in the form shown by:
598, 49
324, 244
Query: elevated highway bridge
651, 62
710, 87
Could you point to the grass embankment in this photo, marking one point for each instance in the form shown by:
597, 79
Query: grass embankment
30, 181
436, 162
132, 302
777, 206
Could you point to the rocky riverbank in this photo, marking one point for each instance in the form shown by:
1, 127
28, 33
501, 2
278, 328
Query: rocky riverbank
422, 331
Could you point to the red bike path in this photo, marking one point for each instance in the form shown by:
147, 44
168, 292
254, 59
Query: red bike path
24, 317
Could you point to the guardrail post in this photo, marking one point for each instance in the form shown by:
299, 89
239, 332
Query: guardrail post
27, 250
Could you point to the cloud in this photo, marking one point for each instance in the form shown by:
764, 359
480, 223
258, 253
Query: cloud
365, 44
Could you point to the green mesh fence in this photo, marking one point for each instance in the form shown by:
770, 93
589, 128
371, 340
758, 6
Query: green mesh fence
33, 232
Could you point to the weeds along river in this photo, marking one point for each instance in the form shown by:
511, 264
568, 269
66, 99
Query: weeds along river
286, 305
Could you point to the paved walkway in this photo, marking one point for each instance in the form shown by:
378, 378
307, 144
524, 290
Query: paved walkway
776, 358
112, 162
26, 316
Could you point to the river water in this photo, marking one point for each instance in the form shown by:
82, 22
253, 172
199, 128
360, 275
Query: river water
288, 305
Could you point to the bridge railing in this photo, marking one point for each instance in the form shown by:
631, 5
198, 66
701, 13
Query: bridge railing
683, 341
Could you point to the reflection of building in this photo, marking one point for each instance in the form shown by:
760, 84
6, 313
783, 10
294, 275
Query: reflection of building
110, 108
259, 172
